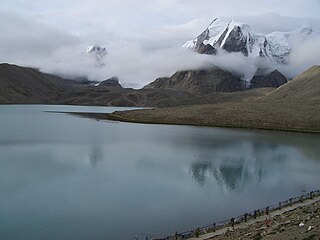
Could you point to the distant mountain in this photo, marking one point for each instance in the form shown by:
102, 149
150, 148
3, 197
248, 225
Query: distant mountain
273, 79
295, 106
98, 52
215, 79
28, 85
23, 85
111, 82
200, 81
233, 36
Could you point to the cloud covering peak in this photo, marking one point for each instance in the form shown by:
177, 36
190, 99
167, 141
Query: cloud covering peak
143, 38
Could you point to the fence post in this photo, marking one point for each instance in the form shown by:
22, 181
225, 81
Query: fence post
301, 199
245, 217
255, 214
214, 227
267, 210
290, 200
232, 222
279, 205
311, 195
197, 232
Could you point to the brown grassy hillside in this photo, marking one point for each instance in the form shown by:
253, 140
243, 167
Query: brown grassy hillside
294, 107
304, 88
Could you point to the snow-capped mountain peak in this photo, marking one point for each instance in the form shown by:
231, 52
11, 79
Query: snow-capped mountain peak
97, 51
227, 34
233, 36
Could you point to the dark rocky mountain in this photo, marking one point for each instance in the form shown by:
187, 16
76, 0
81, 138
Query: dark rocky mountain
200, 81
206, 49
27, 86
274, 79
111, 82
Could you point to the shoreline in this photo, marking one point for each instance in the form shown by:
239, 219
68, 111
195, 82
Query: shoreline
265, 222
260, 228
113, 117
116, 118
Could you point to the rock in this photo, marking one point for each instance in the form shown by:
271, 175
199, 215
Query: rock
200, 81
206, 49
236, 42
301, 224
273, 79
110, 83
310, 228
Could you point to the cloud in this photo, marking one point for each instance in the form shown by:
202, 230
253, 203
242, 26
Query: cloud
173, 35
143, 38
302, 57
21, 39
271, 22
133, 65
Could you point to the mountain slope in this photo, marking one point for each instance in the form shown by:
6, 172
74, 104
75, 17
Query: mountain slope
27, 85
304, 88
293, 107
215, 80
200, 81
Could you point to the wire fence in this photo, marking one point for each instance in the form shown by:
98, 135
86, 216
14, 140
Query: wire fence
239, 219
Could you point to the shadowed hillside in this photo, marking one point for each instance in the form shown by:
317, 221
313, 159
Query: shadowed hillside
27, 85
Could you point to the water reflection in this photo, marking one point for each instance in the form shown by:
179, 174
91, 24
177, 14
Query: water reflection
95, 154
228, 174
232, 166
199, 171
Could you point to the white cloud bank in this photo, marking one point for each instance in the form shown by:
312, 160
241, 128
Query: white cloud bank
136, 67
135, 58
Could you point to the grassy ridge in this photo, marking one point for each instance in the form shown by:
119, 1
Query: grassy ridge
292, 107
238, 115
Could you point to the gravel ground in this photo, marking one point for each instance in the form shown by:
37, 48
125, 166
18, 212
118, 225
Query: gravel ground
301, 223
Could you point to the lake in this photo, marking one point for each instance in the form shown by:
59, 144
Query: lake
68, 177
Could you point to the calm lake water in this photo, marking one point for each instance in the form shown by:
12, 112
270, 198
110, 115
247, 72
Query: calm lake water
69, 177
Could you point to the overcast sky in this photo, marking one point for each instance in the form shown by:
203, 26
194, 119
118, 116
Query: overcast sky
49, 34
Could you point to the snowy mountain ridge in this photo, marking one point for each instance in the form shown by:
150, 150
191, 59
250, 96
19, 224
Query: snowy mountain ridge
233, 36
98, 53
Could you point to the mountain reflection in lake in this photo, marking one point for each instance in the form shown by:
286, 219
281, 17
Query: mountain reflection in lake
231, 168
69, 177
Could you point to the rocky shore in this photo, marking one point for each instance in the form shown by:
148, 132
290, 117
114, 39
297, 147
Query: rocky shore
300, 223
299, 219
